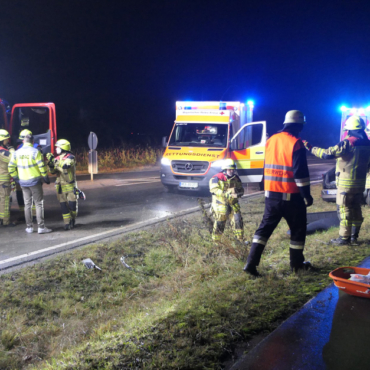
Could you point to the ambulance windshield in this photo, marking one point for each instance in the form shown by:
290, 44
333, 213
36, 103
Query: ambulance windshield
199, 134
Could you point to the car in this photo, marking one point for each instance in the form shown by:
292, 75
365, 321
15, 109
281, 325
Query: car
329, 188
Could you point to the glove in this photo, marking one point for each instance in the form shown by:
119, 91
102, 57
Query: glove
46, 180
308, 201
307, 145
50, 157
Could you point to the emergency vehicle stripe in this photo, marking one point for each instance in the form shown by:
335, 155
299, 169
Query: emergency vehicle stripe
259, 239
279, 167
302, 182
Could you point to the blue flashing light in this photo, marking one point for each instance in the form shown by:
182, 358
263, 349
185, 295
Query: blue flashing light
368, 108
250, 103
222, 106
187, 108
343, 108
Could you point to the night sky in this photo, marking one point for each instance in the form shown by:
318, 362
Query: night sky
116, 67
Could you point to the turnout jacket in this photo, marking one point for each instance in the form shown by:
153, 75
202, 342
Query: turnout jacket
353, 160
5, 154
27, 166
221, 186
64, 166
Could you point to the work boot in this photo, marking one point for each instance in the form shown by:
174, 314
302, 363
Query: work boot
354, 239
10, 224
341, 241
251, 270
306, 265
44, 230
72, 223
67, 227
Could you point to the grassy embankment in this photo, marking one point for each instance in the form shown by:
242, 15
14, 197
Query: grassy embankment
186, 305
119, 158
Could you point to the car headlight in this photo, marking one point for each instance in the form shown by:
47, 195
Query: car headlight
165, 161
218, 164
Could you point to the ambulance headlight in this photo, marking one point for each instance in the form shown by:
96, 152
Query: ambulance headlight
218, 164
165, 161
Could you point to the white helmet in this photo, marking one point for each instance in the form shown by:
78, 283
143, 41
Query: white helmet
295, 116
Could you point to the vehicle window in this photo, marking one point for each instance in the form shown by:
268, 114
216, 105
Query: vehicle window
199, 134
34, 119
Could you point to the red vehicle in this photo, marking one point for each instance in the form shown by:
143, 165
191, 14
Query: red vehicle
40, 118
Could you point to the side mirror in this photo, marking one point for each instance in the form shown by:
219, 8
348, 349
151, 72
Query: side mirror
233, 145
164, 141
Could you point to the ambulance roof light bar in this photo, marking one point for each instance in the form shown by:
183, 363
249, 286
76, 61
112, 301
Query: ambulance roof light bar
359, 111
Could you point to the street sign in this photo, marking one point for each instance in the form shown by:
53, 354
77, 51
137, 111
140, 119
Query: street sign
92, 141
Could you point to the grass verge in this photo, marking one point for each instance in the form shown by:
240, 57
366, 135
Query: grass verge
186, 305
119, 158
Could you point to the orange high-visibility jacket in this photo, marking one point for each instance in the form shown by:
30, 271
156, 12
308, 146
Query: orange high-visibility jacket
278, 172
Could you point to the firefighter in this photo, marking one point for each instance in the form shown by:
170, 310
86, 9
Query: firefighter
353, 160
64, 166
226, 187
287, 193
5, 181
27, 167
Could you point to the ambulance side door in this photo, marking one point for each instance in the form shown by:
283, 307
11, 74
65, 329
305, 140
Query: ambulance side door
247, 149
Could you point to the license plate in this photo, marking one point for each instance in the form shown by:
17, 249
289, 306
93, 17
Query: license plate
188, 184
331, 192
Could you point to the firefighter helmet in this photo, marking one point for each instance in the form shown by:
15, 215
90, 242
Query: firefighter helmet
63, 144
295, 116
228, 164
354, 123
4, 135
24, 133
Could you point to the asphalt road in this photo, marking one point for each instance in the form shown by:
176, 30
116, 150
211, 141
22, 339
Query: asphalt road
114, 202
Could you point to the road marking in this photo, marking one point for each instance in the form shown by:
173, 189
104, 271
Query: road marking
319, 164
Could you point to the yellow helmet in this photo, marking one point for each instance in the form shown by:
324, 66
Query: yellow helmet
295, 116
228, 164
63, 144
354, 123
4, 135
24, 133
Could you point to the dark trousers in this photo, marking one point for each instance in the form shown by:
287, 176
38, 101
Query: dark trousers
294, 212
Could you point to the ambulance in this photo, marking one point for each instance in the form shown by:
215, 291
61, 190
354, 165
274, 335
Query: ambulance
204, 135
39, 118
329, 191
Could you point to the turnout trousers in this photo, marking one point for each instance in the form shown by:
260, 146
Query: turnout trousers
4, 202
295, 214
349, 213
68, 205
223, 212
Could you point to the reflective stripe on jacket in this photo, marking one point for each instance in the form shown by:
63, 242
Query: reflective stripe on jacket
279, 171
27, 164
